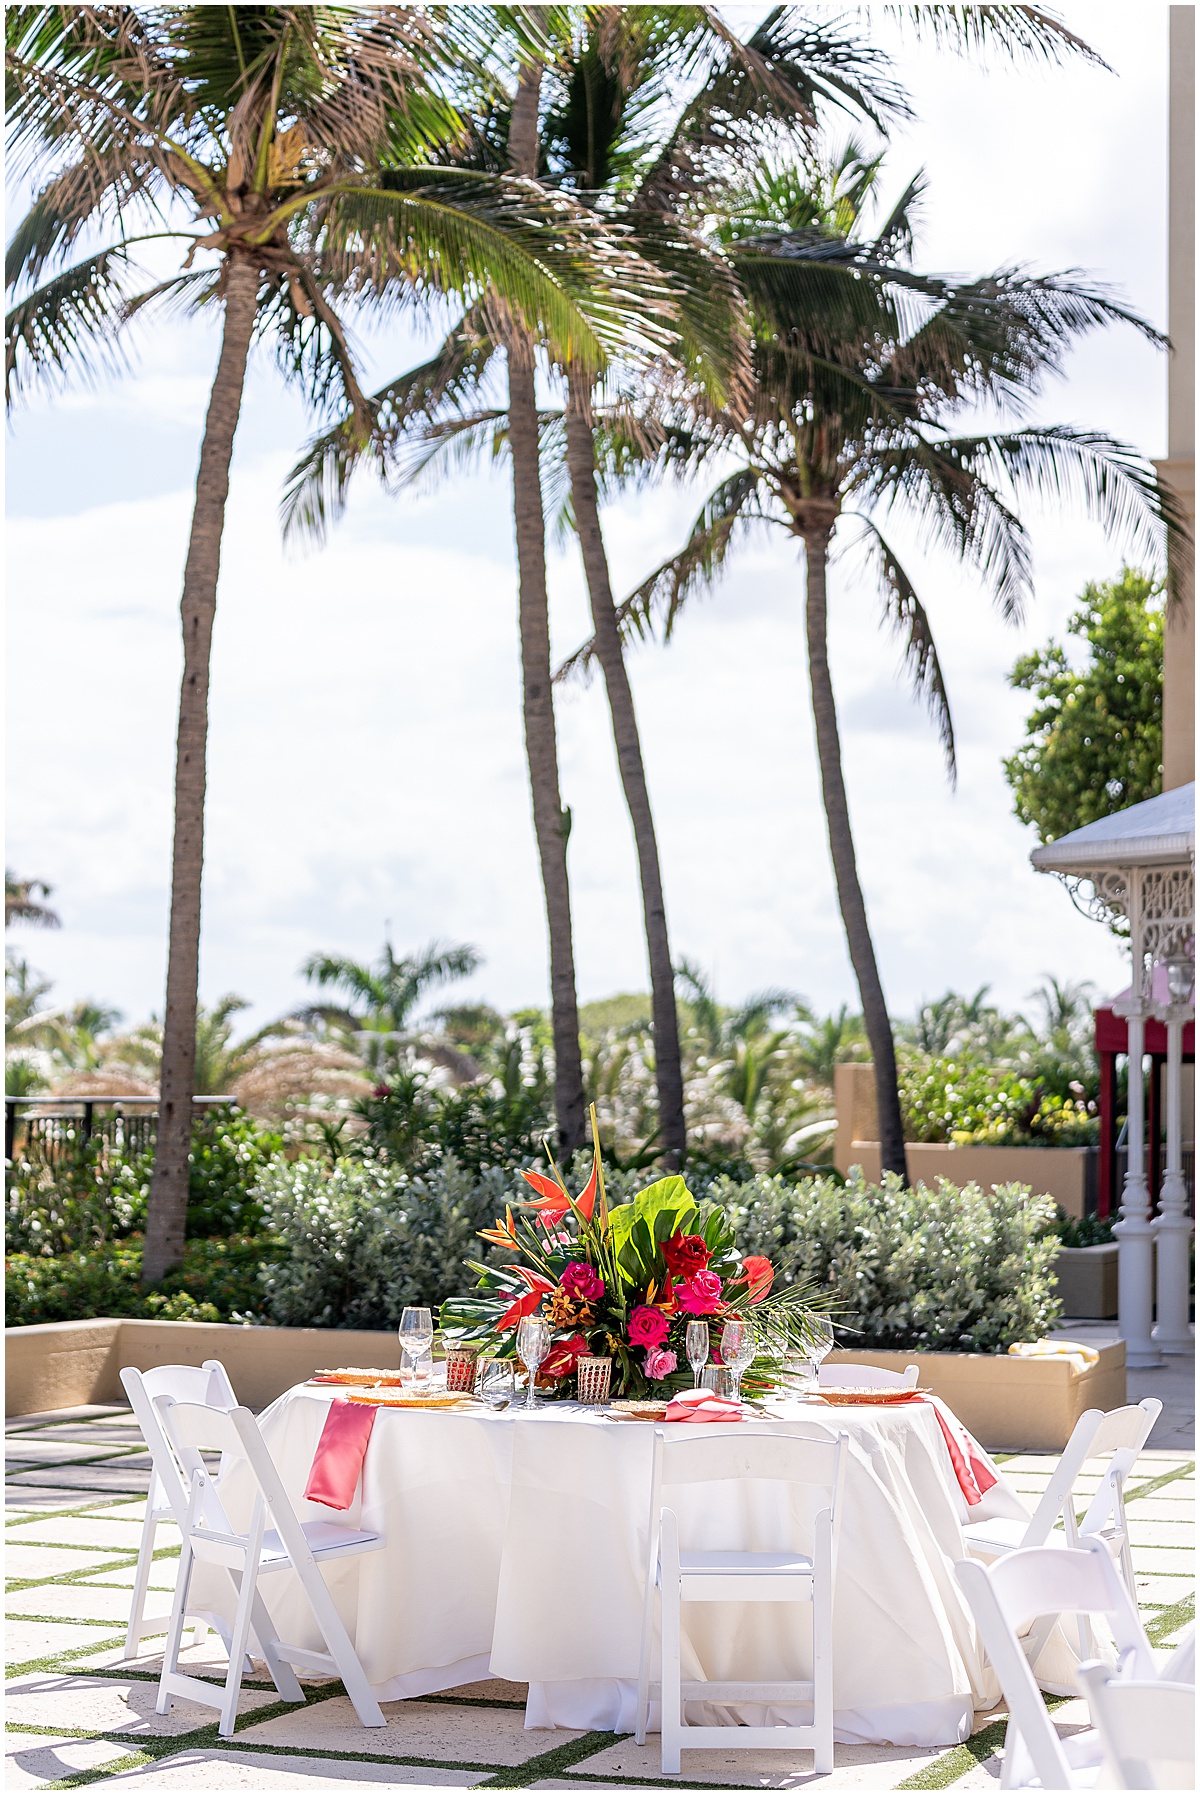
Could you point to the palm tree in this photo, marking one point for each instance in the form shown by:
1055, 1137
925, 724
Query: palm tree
21, 902
617, 134
861, 367
290, 148
383, 996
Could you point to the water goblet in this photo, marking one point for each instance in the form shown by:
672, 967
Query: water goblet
416, 1337
497, 1384
533, 1343
737, 1350
718, 1379
697, 1345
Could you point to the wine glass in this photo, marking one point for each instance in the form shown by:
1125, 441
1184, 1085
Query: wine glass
416, 1336
737, 1350
819, 1341
697, 1344
533, 1343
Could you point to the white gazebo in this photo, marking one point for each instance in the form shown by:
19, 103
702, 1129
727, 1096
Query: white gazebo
1140, 865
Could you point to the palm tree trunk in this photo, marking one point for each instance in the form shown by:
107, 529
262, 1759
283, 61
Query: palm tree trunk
581, 461
166, 1217
550, 821
845, 869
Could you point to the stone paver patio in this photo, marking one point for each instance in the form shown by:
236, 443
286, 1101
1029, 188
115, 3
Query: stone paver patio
75, 1495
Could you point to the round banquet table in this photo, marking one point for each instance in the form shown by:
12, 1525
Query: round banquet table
516, 1548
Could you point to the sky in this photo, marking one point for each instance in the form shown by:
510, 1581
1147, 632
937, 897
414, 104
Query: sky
366, 770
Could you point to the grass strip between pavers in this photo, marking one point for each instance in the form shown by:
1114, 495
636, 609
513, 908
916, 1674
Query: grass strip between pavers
1159, 1483
551, 1763
946, 1770
1168, 1620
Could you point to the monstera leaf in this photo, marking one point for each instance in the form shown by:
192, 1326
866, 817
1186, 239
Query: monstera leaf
640, 1228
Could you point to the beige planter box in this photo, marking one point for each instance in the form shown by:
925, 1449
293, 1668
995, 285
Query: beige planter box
1011, 1404
1006, 1403
65, 1364
1087, 1281
1058, 1172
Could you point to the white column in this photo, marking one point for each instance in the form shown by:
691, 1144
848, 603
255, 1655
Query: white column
1172, 1227
1135, 1264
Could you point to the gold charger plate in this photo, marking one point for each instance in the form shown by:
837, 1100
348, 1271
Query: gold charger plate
867, 1395
414, 1402
629, 1409
357, 1378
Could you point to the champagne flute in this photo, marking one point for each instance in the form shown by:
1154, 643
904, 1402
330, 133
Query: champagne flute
416, 1336
533, 1343
697, 1344
737, 1350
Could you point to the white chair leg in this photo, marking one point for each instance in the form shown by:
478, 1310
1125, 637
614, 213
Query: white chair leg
237, 1656
279, 1670
170, 1663
200, 1632
822, 1631
141, 1583
669, 1604
342, 1651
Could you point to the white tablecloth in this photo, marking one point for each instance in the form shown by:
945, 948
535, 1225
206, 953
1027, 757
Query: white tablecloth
516, 1548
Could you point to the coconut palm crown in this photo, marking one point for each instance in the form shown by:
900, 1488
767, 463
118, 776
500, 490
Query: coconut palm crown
863, 368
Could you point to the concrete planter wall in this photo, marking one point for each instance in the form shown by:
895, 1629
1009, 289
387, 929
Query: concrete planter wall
1029, 1403
1087, 1281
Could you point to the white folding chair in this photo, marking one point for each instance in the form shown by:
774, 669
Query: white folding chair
1010, 1595
1148, 1730
290, 1544
208, 1383
1118, 1436
682, 1575
872, 1377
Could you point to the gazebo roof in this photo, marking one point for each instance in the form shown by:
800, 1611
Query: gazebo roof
1159, 832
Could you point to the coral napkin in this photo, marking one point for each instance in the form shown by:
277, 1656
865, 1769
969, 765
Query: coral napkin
338, 1461
703, 1405
975, 1476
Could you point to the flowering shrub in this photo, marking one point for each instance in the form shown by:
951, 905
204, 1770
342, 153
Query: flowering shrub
976, 1104
953, 1269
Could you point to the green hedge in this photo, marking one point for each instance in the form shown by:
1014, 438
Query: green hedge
220, 1280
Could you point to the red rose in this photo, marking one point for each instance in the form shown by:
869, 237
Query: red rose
759, 1273
685, 1254
701, 1295
647, 1327
583, 1282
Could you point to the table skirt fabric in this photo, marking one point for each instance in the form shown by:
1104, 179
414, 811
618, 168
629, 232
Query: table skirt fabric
516, 1548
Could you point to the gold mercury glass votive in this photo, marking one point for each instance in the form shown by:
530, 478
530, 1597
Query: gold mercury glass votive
594, 1378
461, 1361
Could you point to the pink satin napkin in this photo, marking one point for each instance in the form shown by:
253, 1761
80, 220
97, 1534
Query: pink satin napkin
338, 1461
703, 1405
975, 1476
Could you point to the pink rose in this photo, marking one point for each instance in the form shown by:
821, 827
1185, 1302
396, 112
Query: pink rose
583, 1282
701, 1295
659, 1362
647, 1327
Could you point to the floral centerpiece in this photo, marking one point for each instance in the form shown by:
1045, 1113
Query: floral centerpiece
624, 1282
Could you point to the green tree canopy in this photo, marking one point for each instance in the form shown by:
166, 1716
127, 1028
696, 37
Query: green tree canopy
1094, 737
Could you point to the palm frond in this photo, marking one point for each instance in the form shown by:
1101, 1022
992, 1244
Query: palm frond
1028, 33
74, 318
908, 618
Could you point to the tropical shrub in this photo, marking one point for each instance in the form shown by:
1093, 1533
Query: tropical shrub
362, 1239
219, 1280
976, 1104
953, 1269
90, 1191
